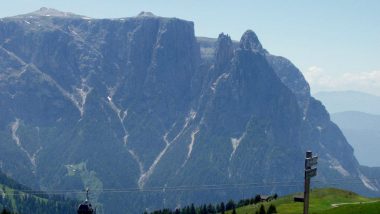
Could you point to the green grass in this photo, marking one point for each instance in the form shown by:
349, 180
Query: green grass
320, 203
22, 200
365, 208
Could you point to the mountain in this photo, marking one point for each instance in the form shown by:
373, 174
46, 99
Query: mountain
341, 101
18, 198
357, 114
362, 131
49, 12
136, 109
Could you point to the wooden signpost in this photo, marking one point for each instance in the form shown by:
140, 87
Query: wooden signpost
310, 172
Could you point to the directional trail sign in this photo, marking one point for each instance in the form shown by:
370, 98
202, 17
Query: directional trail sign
310, 173
311, 161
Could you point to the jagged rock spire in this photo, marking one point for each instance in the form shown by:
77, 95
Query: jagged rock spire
249, 41
224, 49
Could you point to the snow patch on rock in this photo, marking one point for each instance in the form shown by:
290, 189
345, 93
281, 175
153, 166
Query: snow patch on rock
367, 182
137, 159
32, 157
145, 176
214, 85
335, 164
190, 146
235, 142
81, 96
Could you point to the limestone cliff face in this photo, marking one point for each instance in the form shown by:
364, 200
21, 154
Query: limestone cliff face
133, 103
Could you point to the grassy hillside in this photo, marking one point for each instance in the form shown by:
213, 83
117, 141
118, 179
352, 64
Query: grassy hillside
20, 199
321, 201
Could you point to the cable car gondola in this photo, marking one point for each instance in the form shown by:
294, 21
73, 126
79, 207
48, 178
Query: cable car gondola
86, 207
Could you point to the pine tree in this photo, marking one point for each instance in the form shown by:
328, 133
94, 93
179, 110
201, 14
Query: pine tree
275, 196
218, 210
234, 210
262, 210
211, 209
222, 208
257, 199
271, 209
187, 210
204, 209
230, 204
5, 212
192, 209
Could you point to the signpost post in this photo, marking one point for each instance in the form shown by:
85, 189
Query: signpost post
309, 173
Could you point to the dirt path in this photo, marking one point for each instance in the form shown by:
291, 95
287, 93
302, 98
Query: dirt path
366, 202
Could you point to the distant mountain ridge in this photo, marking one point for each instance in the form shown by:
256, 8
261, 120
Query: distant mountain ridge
340, 101
138, 103
362, 131
357, 120
357, 114
49, 12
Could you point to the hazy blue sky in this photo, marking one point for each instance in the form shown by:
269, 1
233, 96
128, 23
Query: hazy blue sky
336, 44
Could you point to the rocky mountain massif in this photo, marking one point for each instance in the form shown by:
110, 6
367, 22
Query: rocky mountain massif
126, 105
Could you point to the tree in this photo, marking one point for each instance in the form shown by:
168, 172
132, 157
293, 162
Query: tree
204, 209
257, 199
252, 201
222, 208
275, 196
192, 209
234, 210
230, 204
271, 209
5, 212
241, 203
211, 209
217, 207
186, 210
262, 210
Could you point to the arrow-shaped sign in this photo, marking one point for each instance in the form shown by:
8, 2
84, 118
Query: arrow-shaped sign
311, 161
310, 173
